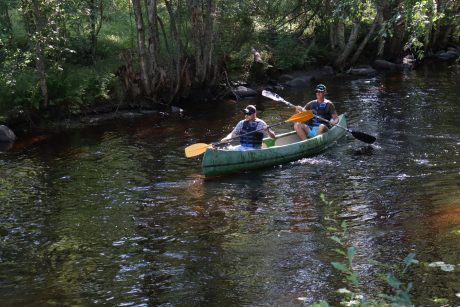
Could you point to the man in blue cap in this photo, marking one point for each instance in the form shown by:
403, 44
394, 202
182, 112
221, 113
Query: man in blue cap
251, 130
321, 107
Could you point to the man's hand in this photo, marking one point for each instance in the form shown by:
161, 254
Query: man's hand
299, 109
270, 132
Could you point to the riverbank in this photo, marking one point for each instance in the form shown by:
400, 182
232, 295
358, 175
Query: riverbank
58, 119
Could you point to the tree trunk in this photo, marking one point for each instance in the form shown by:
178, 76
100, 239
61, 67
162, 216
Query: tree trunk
341, 35
427, 38
447, 35
40, 65
366, 39
203, 24
341, 60
143, 57
394, 46
384, 15
175, 54
92, 24
5, 21
154, 39
332, 36
438, 28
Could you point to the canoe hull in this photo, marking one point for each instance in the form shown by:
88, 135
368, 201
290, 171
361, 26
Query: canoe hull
287, 147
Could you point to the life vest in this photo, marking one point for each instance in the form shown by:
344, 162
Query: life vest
319, 109
251, 140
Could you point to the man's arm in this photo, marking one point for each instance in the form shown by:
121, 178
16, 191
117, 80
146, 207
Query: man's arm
235, 132
334, 117
271, 133
266, 129
305, 107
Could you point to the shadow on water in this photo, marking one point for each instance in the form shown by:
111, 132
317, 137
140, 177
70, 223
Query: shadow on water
115, 214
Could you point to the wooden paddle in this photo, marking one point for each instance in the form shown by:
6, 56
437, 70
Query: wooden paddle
199, 148
364, 137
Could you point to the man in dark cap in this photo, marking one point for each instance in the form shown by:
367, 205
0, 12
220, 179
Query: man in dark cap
321, 107
251, 130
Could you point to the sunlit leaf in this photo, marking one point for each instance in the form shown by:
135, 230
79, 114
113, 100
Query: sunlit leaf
351, 251
341, 267
340, 252
410, 259
336, 239
354, 278
393, 281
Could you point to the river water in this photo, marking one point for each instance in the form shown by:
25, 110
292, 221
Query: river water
115, 214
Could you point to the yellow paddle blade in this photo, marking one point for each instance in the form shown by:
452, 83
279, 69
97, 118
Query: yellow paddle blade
301, 117
195, 149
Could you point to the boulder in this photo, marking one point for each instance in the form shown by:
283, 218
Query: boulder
300, 81
6, 135
445, 55
454, 50
453, 53
362, 71
285, 78
242, 91
383, 64
325, 71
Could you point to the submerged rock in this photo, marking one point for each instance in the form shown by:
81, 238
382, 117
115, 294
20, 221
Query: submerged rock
362, 71
364, 151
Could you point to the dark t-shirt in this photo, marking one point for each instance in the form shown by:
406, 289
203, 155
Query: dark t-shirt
325, 110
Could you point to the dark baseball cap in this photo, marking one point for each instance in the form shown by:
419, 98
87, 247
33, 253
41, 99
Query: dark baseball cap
320, 88
250, 109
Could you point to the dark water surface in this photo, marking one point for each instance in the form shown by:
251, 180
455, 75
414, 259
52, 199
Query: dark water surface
116, 215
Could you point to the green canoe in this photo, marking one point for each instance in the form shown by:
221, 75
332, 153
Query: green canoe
286, 147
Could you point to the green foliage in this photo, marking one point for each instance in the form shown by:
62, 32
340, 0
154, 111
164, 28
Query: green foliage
320, 304
76, 87
418, 25
289, 34
286, 51
400, 292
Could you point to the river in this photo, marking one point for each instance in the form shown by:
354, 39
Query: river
114, 214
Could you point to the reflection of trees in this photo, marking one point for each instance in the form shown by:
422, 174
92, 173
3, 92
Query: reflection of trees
63, 219
225, 244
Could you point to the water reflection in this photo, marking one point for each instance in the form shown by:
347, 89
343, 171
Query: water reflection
115, 214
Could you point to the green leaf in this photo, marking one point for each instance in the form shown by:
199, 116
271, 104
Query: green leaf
410, 259
351, 252
320, 304
344, 226
336, 239
341, 267
393, 281
354, 278
340, 252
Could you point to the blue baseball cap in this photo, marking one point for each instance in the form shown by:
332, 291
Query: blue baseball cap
320, 88
250, 109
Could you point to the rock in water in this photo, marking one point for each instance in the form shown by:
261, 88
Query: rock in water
6, 134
